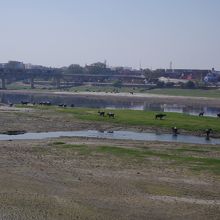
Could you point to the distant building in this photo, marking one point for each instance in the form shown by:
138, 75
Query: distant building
172, 80
212, 77
14, 65
2, 65
28, 66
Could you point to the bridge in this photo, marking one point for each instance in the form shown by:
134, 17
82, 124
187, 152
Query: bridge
56, 77
30, 74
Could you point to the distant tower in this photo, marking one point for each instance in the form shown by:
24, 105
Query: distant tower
171, 65
105, 62
140, 65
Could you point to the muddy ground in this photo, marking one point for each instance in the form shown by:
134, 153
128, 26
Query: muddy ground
85, 178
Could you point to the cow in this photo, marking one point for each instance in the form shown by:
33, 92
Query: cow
218, 115
175, 131
45, 103
111, 115
101, 113
208, 131
160, 116
62, 105
24, 102
201, 114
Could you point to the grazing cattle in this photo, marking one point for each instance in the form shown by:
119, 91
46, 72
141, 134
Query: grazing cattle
111, 115
208, 131
62, 105
101, 113
72, 105
218, 115
45, 103
175, 131
160, 116
201, 114
24, 102
10, 104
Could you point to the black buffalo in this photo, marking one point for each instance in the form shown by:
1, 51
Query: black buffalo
160, 116
111, 115
24, 102
201, 114
101, 113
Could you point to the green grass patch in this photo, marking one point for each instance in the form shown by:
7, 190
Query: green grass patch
212, 93
195, 163
161, 190
196, 150
147, 118
174, 158
118, 151
80, 149
139, 118
58, 143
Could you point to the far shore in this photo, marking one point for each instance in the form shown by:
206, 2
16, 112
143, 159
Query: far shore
157, 98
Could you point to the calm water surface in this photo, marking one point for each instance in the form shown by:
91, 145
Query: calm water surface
122, 135
91, 102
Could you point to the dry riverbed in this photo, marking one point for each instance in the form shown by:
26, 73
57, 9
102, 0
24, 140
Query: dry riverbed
86, 178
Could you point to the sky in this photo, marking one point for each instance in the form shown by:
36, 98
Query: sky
132, 33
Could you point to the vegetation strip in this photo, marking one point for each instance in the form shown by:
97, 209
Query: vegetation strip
193, 162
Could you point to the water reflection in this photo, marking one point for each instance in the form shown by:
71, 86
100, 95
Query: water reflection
123, 135
104, 102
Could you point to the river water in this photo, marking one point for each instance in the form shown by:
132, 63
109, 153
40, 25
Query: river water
104, 102
122, 135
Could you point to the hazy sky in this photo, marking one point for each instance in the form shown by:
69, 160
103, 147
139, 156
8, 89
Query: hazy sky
123, 32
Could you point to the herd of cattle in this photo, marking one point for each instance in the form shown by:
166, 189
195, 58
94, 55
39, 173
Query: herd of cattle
45, 103
161, 116
101, 113
112, 115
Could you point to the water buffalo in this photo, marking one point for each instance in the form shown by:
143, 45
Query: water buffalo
201, 114
45, 103
160, 116
101, 113
208, 131
62, 105
111, 115
24, 102
175, 131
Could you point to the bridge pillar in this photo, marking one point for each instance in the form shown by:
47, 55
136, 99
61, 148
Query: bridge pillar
32, 82
3, 82
58, 83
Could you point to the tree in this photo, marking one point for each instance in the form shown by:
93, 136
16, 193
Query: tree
74, 69
98, 68
117, 83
